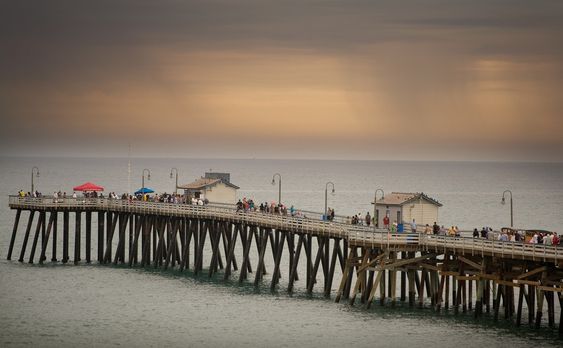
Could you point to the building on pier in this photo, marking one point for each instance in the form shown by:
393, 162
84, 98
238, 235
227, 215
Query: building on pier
403, 207
216, 187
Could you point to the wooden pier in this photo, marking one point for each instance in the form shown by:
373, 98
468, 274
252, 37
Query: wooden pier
439, 272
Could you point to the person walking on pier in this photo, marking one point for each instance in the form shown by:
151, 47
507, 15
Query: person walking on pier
413, 226
435, 228
386, 222
368, 219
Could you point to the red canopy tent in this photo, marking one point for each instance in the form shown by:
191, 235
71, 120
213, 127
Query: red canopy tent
88, 187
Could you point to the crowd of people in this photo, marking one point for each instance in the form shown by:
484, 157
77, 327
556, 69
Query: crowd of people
248, 205
535, 237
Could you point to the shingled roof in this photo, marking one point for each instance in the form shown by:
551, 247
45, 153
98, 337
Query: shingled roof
204, 183
402, 198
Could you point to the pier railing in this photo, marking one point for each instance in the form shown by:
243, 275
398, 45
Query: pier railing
481, 247
220, 212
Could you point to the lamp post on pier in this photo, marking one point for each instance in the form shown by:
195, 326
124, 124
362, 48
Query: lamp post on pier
37, 174
503, 201
326, 197
375, 215
175, 187
148, 177
279, 185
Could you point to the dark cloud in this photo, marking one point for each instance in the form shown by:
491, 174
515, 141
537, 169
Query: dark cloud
418, 63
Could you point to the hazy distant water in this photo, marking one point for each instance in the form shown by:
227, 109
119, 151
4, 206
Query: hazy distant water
56, 305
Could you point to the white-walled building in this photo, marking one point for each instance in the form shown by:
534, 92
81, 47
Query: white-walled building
216, 187
403, 207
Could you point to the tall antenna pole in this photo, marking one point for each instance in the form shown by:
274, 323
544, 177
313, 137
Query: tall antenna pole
129, 171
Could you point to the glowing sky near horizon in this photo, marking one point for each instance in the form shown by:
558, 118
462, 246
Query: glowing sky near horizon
304, 79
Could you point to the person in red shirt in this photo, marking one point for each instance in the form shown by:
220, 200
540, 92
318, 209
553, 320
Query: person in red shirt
386, 222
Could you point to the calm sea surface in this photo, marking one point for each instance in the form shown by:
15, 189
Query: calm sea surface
65, 305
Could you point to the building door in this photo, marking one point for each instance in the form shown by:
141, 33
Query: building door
399, 221
376, 218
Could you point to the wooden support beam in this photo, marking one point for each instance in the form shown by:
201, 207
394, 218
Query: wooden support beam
279, 251
320, 253
532, 272
410, 276
88, 236
66, 225
295, 262
214, 238
109, 240
135, 242
520, 304
77, 236
246, 238
496, 303
101, 236
539, 312
403, 280
336, 248
374, 289
549, 297
188, 233
421, 289
263, 242
173, 241
348, 272
531, 304
26, 237
291, 250
40, 225
46, 239
232, 241
147, 228
360, 275
123, 219
409, 261
14, 231
54, 248
470, 263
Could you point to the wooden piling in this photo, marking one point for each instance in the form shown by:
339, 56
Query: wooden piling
26, 237
77, 237
14, 231
46, 239
66, 222
520, 303
40, 224
88, 235
54, 247
295, 262
101, 236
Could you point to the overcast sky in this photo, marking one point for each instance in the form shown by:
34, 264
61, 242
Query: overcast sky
293, 79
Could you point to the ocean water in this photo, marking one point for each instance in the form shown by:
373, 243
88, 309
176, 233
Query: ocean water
57, 305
